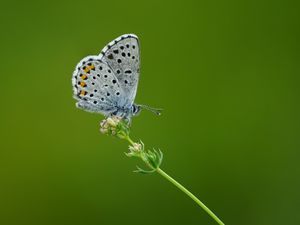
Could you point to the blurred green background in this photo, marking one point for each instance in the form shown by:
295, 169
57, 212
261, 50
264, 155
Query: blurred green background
226, 74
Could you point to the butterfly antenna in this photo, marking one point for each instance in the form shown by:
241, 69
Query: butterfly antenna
153, 110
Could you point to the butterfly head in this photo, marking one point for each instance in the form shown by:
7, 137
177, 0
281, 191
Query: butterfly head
136, 109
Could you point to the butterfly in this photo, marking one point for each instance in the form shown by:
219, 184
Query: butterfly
107, 83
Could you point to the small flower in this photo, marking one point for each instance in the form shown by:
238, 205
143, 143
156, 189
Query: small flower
113, 121
114, 126
135, 149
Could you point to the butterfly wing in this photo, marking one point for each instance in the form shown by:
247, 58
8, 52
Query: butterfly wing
96, 87
123, 57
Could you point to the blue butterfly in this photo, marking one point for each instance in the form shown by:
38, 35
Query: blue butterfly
107, 83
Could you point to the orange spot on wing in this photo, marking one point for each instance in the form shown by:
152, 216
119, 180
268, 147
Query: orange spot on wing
83, 92
84, 77
82, 84
88, 68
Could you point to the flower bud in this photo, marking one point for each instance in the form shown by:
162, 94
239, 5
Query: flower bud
103, 130
135, 147
113, 122
114, 126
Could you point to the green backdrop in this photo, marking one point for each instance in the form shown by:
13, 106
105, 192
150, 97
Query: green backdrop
226, 74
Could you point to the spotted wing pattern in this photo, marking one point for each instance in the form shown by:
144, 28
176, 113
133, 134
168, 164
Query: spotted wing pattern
96, 87
123, 57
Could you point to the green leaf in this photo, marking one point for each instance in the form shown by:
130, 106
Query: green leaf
161, 156
142, 171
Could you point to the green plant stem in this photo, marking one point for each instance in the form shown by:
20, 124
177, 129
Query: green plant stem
129, 140
183, 189
188, 193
